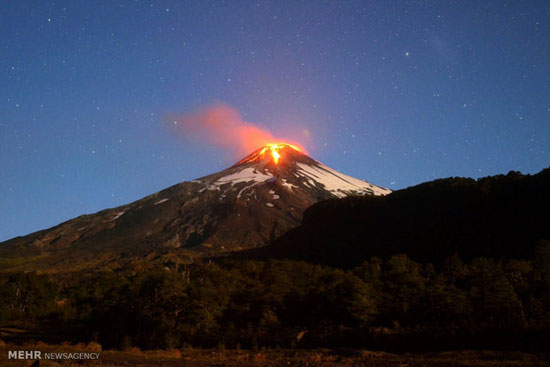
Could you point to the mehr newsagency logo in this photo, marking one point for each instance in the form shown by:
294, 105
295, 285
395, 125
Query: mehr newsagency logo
37, 354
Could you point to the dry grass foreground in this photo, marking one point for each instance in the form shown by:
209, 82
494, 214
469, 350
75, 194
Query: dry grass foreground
269, 358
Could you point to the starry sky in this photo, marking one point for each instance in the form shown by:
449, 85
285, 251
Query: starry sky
393, 92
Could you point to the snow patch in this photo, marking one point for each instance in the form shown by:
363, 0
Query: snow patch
269, 205
245, 175
287, 184
118, 215
210, 188
337, 183
161, 201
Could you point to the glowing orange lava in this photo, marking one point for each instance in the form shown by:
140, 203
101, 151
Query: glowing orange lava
274, 150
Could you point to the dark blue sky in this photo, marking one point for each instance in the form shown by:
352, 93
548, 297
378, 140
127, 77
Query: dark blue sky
394, 92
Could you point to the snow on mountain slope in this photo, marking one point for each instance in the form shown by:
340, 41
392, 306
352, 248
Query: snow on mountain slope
247, 174
295, 171
337, 183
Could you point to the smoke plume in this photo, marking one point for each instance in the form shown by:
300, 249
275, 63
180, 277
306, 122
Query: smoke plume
222, 125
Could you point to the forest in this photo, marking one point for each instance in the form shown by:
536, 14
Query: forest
396, 305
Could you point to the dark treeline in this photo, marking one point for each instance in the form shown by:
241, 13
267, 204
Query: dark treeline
395, 304
498, 216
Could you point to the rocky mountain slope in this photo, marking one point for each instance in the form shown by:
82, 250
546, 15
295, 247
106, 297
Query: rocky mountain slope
245, 206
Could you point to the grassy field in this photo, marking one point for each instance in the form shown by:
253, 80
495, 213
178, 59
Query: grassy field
269, 358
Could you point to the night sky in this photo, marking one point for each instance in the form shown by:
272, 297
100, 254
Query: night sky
393, 92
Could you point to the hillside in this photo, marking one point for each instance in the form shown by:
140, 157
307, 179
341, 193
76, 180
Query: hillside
500, 216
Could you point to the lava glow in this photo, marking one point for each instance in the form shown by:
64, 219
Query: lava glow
274, 150
275, 155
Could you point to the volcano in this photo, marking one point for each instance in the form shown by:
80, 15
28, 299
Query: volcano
244, 206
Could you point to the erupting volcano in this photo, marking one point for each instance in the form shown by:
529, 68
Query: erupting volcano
271, 151
246, 205
274, 150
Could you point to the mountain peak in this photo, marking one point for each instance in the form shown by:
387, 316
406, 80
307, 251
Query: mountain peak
290, 166
274, 153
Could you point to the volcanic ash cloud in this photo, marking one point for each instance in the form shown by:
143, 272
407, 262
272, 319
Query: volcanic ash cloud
222, 125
